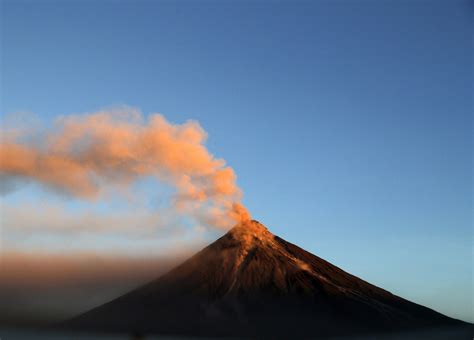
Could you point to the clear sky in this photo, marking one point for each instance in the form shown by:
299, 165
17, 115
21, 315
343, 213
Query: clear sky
348, 123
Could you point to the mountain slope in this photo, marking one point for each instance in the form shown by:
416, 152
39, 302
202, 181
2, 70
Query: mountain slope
252, 283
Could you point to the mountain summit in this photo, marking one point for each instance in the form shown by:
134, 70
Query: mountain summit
252, 283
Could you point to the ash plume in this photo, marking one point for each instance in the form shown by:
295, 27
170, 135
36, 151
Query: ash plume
83, 155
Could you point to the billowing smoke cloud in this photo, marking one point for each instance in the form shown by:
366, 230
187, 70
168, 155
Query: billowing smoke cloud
83, 155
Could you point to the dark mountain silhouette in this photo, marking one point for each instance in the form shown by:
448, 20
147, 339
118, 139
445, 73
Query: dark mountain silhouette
251, 283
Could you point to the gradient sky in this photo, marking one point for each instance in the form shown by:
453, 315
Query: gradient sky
348, 123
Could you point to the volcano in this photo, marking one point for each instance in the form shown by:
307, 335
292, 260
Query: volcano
251, 283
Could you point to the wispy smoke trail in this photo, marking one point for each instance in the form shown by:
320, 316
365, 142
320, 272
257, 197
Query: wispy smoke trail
83, 154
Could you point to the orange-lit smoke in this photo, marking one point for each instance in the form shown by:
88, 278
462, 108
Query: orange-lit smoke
83, 154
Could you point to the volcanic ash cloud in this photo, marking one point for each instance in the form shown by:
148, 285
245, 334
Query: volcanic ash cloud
83, 155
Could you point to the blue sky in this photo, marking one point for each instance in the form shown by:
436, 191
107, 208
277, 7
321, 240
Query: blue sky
348, 123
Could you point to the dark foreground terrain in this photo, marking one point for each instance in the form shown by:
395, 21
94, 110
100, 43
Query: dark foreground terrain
451, 333
250, 283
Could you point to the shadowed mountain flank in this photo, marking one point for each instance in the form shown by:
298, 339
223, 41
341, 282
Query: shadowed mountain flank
251, 283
